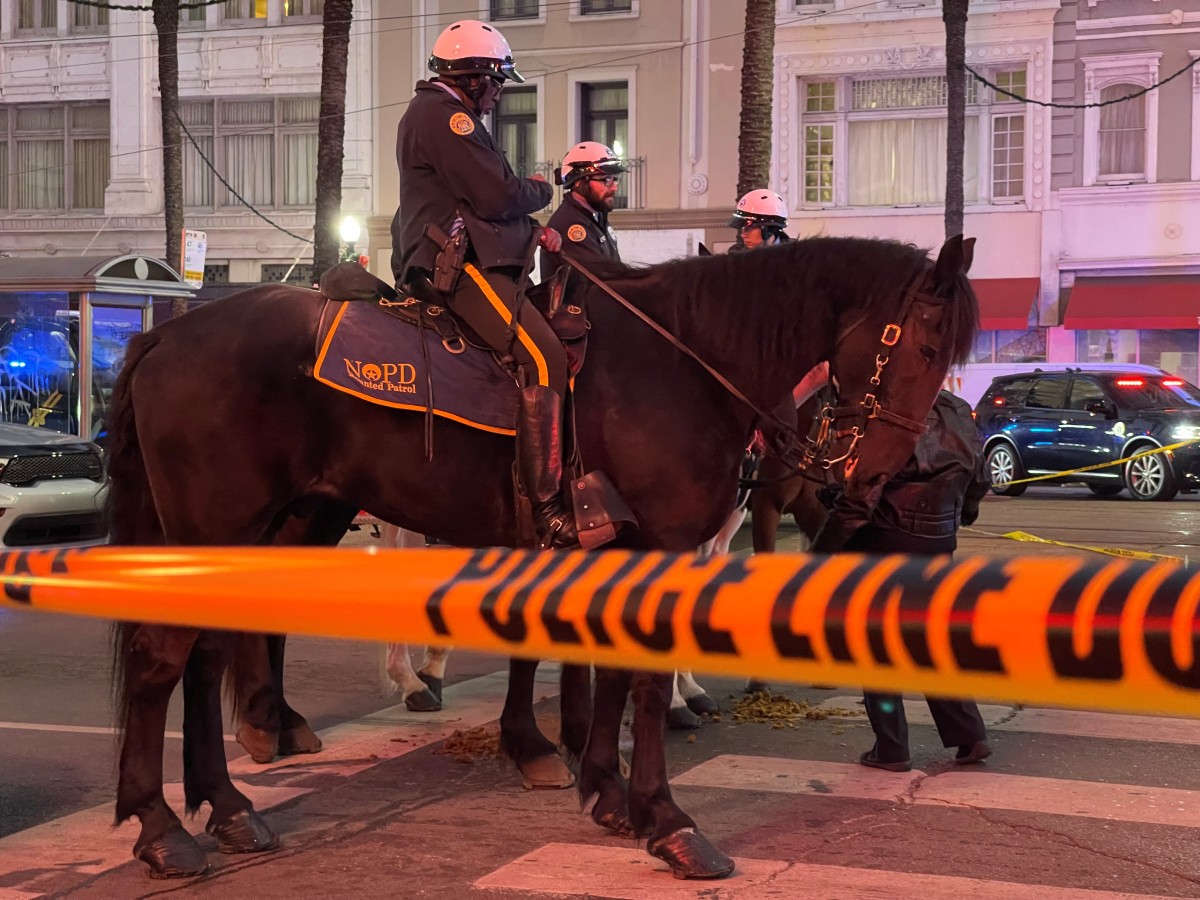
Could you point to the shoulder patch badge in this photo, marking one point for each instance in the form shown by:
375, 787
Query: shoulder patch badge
460, 123
577, 233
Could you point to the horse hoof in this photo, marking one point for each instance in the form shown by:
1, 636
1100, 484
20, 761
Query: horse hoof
243, 832
262, 746
434, 685
174, 855
423, 700
753, 686
703, 705
301, 739
680, 718
616, 822
546, 773
691, 855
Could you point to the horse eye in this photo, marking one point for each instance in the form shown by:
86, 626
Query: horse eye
928, 352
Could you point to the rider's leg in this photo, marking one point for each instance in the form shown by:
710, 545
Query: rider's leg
485, 301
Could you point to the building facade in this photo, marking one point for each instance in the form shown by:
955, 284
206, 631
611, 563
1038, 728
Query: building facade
861, 150
80, 131
1126, 183
656, 79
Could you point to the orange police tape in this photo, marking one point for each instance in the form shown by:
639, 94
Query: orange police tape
1104, 634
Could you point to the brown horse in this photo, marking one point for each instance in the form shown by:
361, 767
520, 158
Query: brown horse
221, 437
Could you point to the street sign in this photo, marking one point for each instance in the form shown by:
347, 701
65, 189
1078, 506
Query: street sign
195, 243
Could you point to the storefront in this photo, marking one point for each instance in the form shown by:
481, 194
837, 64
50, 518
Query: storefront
1152, 320
67, 322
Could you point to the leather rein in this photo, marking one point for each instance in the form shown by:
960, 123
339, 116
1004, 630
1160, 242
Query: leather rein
812, 449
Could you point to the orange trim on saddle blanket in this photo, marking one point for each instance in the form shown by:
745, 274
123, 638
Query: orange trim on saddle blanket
390, 403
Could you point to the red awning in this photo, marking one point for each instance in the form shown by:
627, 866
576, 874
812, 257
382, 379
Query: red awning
1120, 303
1004, 303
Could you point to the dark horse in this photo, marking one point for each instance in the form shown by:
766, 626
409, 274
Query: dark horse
221, 437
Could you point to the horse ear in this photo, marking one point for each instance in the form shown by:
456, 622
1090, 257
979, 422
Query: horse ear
968, 254
950, 260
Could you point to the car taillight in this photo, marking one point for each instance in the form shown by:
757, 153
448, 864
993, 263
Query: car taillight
1131, 382
1172, 382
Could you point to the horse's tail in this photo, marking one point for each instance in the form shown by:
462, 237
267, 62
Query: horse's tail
132, 517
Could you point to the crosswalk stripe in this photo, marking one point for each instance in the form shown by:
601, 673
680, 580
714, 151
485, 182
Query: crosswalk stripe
624, 873
85, 843
977, 789
83, 729
1070, 722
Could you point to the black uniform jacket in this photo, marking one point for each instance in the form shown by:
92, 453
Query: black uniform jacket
585, 234
450, 168
939, 487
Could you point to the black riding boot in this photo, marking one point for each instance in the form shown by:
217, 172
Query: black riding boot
540, 465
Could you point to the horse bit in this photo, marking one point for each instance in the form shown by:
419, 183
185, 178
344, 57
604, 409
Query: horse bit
814, 448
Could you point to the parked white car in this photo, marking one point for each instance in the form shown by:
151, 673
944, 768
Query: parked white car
52, 489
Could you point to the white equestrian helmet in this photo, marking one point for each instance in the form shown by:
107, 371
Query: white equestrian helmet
471, 47
760, 207
586, 160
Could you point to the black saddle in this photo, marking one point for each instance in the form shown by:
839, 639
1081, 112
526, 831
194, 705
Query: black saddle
421, 305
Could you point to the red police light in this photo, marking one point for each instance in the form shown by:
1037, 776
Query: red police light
1172, 382
1131, 382
999, 401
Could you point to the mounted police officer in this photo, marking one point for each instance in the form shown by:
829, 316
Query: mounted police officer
760, 218
465, 226
590, 175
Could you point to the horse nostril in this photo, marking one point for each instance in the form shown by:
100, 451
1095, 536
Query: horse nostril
928, 352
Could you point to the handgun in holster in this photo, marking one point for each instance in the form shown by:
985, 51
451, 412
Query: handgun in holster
452, 253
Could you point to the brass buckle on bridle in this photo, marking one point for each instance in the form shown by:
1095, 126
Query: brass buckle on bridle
891, 335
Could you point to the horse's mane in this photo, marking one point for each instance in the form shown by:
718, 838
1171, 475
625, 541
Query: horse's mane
854, 273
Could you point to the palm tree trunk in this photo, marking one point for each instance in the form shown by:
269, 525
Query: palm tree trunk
954, 15
758, 68
331, 133
166, 23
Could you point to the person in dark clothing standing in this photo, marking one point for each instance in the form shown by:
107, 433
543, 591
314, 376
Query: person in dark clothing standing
919, 513
590, 175
455, 182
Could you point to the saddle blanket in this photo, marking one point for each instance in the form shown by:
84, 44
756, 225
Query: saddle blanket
378, 357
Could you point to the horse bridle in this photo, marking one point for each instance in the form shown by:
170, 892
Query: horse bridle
815, 447
802, 452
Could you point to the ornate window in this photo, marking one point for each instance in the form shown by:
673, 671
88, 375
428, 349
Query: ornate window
265, 148
1120, 139
53, 157
870, 141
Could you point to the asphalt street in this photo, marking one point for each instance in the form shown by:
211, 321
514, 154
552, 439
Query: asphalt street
1075, 805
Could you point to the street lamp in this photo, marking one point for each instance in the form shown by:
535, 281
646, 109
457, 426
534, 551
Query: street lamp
350, 231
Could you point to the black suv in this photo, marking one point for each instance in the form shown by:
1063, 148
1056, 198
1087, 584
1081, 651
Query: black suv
1047, 422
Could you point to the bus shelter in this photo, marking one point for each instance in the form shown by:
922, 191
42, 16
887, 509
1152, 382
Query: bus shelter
65, 323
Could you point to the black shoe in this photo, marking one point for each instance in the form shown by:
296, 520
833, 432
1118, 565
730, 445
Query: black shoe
972, 753
869, 759
556, 525
540, 466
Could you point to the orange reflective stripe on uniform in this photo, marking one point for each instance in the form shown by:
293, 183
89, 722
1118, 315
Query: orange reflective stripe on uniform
539, 360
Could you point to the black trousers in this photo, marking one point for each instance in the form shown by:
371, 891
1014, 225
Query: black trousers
958, 722
485, 298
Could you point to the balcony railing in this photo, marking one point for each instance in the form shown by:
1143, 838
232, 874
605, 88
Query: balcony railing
631, 192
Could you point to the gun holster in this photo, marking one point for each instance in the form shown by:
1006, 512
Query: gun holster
452, 253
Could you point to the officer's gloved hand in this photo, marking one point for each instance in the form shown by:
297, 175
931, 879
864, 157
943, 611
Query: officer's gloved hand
549, 239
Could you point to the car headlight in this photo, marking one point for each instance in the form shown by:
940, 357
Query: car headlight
1186, 432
